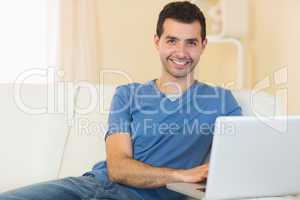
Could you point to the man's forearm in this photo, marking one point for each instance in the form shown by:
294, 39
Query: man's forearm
138, 174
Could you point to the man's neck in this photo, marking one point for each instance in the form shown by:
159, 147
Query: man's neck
171, 85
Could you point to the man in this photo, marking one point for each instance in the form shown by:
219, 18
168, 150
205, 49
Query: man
159, 131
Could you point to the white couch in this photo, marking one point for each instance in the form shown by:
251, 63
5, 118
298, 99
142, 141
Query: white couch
39, 147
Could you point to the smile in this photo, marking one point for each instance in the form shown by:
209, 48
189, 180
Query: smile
180, 62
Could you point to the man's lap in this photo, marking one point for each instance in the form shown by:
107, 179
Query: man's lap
71, 188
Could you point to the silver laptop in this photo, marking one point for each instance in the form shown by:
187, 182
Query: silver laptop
251, 157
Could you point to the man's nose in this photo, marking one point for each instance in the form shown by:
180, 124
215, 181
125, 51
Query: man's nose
181, 50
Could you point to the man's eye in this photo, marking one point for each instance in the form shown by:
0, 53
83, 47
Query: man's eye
193, 43
171, 41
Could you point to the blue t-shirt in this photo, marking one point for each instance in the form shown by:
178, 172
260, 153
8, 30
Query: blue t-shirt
167, 133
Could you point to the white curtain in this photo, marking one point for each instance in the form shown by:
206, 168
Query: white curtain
79, 40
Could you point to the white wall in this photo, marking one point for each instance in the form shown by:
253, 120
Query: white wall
24, 35
275, 45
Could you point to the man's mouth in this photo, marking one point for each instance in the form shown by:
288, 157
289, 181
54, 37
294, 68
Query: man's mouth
180, 63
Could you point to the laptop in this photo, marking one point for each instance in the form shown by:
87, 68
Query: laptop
250, 157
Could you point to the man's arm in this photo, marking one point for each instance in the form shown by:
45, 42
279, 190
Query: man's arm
122, 168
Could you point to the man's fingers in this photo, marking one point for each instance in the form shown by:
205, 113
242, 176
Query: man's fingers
202, 167
205, 166
205, 173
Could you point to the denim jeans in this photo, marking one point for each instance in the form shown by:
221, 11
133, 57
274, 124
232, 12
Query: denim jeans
71, 188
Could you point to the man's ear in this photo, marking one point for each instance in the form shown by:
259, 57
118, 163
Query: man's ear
204, 43
156, 41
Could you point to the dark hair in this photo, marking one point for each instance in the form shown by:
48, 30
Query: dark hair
182, 11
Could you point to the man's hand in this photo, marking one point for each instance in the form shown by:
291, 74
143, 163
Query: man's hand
122, 168
193, 175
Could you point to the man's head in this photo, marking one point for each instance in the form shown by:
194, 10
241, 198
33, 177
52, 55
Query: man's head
180, 37
182, 11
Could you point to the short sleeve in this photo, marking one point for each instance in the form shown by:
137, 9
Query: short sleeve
119, 119
232, 108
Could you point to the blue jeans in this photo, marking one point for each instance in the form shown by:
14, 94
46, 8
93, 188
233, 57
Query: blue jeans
71, 188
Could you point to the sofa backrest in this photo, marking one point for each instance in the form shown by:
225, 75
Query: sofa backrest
31, 144
38, 147
260, 104
86, 144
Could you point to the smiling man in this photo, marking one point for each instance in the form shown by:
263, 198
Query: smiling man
180, 46
159, 132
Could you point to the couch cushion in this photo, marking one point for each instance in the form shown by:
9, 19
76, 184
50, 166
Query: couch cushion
31, 144
86, 144
259, 104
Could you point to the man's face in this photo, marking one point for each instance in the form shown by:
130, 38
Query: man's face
180, 47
